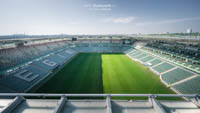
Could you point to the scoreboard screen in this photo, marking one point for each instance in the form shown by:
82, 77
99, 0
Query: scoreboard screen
74, 39
127, 41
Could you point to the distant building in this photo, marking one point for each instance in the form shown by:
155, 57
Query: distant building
164, 33
189, 30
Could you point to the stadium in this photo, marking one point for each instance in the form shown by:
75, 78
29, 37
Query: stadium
101, 66
99, 56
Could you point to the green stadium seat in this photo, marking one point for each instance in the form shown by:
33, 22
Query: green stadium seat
189, 87
163, 67
176, 75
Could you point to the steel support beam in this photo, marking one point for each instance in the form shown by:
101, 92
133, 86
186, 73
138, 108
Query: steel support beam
157, 106
196, 101
17, 101
108, 103
60, 105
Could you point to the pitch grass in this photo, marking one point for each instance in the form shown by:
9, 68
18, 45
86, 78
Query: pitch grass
104, 73
81, 75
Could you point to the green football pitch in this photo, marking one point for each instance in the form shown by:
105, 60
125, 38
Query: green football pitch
104, 73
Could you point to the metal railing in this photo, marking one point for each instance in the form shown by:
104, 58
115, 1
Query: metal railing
97, 95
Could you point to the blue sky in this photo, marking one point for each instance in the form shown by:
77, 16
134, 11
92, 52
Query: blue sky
98, 16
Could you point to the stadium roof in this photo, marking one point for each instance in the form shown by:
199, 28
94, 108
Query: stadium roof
21, 105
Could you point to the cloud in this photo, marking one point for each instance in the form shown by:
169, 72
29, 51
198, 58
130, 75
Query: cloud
167, 21
73, 23
123, 20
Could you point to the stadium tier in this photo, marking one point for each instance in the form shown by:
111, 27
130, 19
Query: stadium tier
155, 61
15, 56
25, 78
171, 74
178, 48
183, 60
129, 51
146, 59
189, 87
135, 53
176, 75
87, 47
163, 67
140, 56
